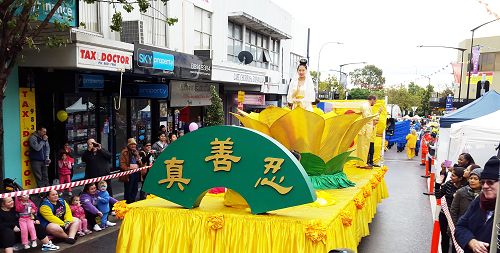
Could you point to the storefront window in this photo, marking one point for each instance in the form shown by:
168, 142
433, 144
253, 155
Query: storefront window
234, 41
202, 28
141, 120
155, 25
89, 16
80, 126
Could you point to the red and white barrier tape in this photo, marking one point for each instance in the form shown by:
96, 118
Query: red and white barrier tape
444, 206
72, 184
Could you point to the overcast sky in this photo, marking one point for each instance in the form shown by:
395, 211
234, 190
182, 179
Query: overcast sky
386, 33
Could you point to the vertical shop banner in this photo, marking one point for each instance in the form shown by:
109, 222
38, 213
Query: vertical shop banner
27, 126
475, 59
457, 71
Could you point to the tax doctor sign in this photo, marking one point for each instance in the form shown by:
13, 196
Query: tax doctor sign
103, 58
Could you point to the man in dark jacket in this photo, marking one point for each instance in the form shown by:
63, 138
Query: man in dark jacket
39, 156
473, 231
97, 162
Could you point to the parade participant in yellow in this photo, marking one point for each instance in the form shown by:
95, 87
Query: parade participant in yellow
371, 151
411, 144
301, 88
365, 134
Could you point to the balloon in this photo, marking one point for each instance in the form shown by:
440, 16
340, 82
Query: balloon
193, 126
62, 115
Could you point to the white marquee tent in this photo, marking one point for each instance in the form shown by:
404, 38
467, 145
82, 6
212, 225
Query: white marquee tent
478, 136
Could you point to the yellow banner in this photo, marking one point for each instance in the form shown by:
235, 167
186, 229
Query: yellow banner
474, 79
27, 126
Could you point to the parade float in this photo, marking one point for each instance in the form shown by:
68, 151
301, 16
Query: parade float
274, 201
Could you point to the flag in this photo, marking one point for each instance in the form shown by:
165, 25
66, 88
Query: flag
475, 59
457, 71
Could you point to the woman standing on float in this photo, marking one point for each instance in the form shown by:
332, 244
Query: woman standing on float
301, 89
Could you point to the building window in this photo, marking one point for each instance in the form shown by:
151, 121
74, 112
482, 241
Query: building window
258, 45
202, 29
89, 16
294, 62
275, 54
155, 24
234, 41
487, 62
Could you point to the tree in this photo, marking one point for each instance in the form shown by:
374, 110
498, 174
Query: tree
426, 105
403, 98
369, 77
360, 93
22, 23
215, 113
445, 93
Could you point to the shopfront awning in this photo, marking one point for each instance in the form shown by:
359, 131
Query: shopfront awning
257, 25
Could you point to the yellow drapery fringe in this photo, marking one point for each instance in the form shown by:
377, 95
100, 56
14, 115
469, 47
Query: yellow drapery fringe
157, 225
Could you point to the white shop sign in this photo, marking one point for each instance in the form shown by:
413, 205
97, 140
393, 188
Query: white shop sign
186, 93
103, 58
237, 77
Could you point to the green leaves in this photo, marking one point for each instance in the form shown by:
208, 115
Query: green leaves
315, 166
116, 22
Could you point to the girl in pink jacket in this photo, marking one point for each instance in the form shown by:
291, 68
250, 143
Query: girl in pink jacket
27, 210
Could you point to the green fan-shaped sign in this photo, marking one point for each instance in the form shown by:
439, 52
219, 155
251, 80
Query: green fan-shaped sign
256, 166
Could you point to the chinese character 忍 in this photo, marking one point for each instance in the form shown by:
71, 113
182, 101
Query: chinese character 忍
222, 157
273, 164
174, 174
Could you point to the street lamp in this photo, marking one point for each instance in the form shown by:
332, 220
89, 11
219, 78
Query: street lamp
470, 57
461, 67
319, 57
345, 64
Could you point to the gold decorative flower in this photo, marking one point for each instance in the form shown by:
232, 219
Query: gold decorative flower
346, 218
367, 191
322, 140
215, 222
121, 208
316, 232
359, 201
324, 135
374, 182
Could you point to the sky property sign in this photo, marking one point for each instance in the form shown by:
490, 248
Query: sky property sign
161, 62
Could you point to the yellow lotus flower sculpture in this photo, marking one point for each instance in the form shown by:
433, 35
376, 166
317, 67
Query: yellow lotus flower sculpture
322, 140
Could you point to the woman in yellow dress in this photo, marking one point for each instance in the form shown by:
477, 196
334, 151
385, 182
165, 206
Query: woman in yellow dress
301, 89
411, 143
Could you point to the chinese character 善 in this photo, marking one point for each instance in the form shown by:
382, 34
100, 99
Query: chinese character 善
222, 157
273, 164
174, 174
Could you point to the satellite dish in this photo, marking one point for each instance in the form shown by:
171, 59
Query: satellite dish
245, 57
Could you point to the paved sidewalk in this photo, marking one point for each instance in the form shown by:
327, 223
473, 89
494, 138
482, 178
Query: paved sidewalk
403, 222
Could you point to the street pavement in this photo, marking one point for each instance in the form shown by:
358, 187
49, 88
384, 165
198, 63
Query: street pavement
403, 222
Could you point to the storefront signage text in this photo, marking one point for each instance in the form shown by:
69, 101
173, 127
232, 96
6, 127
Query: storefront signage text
161, 62
27, 127
91, 57
155, 60
247, 78
186, 93
92, 81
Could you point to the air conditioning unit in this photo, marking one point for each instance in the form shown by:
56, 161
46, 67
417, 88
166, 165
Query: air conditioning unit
204, 53
132, 32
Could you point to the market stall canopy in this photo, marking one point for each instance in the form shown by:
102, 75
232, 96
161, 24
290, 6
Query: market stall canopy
488, 103
79, 106
479, 137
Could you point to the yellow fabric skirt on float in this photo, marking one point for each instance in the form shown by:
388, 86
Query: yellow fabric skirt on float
157, 225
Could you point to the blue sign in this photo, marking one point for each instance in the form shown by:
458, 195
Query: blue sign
449, 103
67, 13
92, 81
152, 91
155, 60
